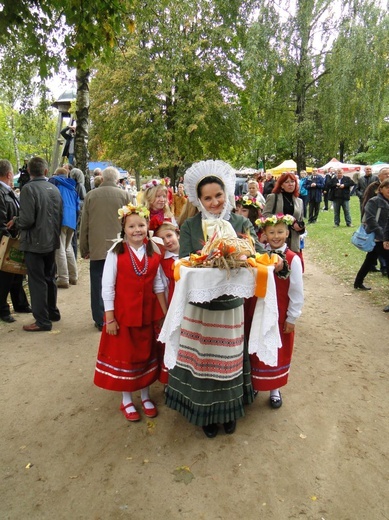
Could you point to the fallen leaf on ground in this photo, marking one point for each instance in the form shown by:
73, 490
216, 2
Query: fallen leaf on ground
183, 474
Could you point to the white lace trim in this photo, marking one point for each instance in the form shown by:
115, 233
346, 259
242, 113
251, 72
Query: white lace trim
265, 339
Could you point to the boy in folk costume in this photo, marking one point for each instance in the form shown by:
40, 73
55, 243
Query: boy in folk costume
290, 299
134, 301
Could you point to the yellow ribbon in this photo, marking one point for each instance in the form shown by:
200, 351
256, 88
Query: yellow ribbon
261, 262
177, 267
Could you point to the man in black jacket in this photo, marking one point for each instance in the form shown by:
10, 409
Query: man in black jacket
341, 197
10, 284
363, 183
40, 225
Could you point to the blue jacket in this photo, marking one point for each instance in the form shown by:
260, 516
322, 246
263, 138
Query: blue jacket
302, 187
70, 199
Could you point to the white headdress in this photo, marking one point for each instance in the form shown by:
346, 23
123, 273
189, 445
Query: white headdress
199, 171
213, 225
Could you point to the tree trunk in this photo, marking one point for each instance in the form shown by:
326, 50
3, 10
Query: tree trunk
342, 147
82, 116
15, 141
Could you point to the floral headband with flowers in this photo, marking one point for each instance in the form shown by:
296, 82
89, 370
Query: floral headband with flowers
142, 211
152, 183
273, 220
246, 201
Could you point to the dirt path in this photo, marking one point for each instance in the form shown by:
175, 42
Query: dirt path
68, 453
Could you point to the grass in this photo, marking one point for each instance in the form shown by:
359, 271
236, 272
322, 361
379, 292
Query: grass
331, 248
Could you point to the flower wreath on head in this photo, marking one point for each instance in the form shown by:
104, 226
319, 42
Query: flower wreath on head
246, 201
273, 220
129, 209
152, 183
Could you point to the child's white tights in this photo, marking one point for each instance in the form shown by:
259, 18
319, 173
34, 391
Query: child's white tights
144, 395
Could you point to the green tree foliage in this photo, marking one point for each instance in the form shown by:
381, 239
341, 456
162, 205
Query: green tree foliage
283, 62
73, 32
170, 97
353, 99
25, 123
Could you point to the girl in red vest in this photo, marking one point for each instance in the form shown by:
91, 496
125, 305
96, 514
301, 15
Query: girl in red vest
290, 299
134, 300
170, 235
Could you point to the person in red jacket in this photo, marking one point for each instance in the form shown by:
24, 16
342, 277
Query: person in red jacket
290, 299
134, 301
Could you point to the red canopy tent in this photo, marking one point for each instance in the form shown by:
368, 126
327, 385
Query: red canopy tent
348, 169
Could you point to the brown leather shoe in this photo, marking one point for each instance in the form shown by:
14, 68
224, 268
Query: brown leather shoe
33, 328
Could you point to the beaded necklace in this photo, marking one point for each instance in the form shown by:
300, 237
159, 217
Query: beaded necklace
135, 261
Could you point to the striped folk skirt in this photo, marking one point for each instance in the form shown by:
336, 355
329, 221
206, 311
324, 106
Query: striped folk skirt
211, 380
265, 377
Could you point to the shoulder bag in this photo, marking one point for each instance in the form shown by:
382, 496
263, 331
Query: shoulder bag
362, 240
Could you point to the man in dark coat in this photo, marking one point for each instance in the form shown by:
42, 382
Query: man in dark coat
10, 284
314, 185
341, 197
40, 227
363, 183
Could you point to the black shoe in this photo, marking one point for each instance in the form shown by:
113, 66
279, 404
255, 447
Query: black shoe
55, 317
275, 401
24, 309
362, 287
100, 327
8, 318
229, 427
386, 309
210, 430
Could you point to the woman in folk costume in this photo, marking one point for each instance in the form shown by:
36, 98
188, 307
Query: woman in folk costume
290, 299
134, 302
210, 382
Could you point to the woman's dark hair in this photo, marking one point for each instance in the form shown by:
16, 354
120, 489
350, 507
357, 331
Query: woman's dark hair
253, 213
209, 180
284, 177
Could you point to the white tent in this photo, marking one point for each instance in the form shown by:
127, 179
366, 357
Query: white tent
347, 168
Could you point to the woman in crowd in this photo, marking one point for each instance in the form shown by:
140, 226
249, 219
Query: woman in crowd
285, 199
375, 217
179, 200
210, 382
79, 177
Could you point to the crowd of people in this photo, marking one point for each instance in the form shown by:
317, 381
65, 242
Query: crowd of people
133, 241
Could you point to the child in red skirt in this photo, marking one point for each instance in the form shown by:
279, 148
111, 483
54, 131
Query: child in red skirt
169, 233
290, 298
134, 300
